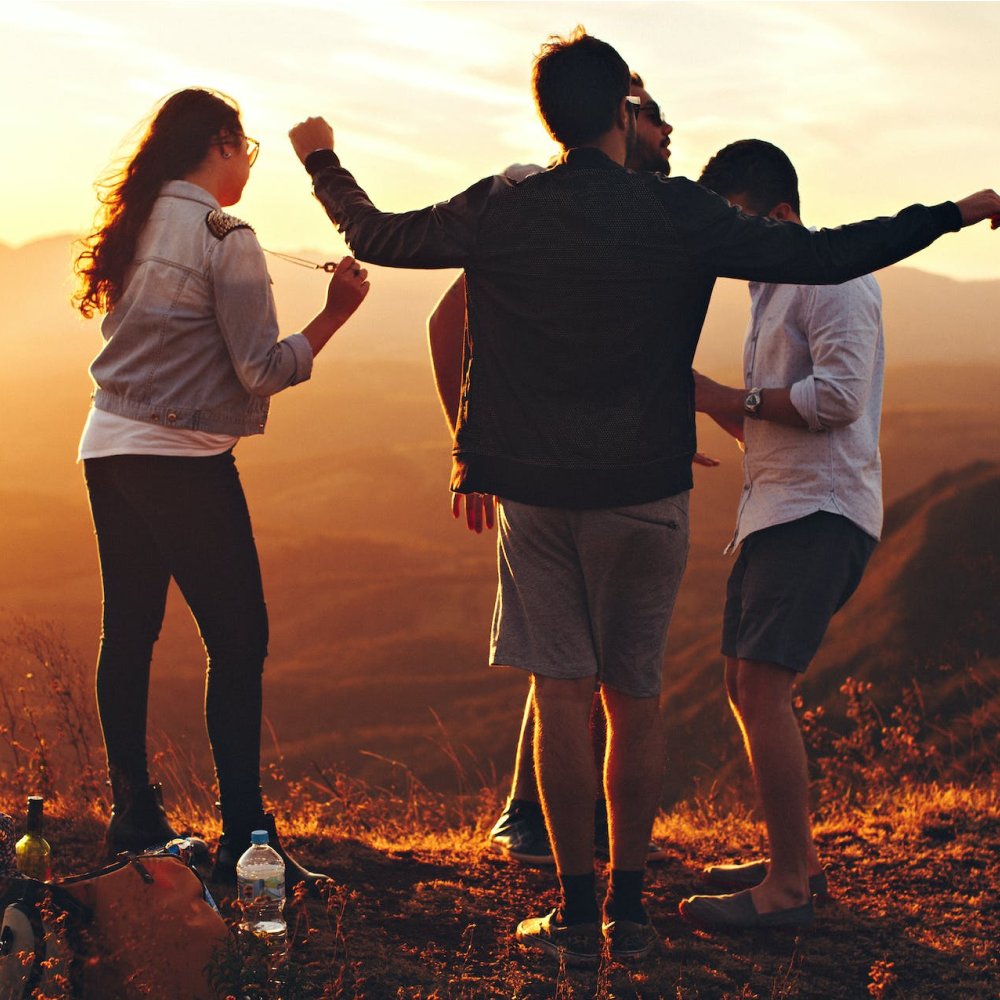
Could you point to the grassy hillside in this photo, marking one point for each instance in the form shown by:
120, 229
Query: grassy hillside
417, 909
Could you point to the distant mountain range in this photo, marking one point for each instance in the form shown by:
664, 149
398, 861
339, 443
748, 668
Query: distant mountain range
928, 318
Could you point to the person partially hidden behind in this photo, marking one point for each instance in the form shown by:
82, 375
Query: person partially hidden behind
809, 518
519, 833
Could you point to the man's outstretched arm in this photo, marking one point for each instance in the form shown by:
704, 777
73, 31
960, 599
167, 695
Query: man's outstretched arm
438, 236
729, 243
979, 207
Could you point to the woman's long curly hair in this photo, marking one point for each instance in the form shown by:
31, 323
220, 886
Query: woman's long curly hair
179, 134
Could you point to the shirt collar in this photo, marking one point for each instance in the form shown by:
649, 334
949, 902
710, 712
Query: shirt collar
188, 191
588, 158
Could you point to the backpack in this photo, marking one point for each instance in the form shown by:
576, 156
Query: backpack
140, 927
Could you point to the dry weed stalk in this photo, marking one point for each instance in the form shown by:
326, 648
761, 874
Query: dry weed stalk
49, 728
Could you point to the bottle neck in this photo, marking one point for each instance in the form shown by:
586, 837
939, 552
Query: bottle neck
34, 823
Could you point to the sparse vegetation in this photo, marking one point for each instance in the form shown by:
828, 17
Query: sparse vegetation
908, 822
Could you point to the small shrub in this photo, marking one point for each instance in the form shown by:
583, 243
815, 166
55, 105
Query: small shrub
48, 716
873, 754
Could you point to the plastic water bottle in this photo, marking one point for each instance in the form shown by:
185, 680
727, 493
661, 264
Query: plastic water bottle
260, 877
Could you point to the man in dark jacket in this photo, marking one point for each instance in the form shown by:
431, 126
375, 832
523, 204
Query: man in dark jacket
519, 833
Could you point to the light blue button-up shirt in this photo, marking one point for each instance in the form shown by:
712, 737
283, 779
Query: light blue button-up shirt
826, 342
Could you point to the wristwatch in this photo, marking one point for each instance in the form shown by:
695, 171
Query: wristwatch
751, 403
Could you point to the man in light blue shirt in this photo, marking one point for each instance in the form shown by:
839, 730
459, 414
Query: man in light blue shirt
810, 515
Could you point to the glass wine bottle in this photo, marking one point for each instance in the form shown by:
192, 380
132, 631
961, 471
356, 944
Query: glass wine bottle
34, 855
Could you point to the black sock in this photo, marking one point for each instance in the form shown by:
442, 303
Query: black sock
624, 899
579, 904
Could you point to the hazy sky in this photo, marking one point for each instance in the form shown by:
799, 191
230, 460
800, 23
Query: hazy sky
878, 104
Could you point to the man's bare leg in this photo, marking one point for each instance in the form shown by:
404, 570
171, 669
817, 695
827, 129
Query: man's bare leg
633, 775
524, 786
507, 836
564, 764
761, 698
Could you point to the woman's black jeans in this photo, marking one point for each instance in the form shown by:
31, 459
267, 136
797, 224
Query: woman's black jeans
159, 517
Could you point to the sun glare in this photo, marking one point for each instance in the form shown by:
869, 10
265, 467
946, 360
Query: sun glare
427, 97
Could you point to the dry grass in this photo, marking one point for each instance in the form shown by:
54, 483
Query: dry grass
418, 910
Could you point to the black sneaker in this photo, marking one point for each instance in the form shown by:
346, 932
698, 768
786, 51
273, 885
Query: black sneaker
520, 835
573, 944
628, 941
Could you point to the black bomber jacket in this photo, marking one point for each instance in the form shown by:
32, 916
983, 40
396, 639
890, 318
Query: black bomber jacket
586, 288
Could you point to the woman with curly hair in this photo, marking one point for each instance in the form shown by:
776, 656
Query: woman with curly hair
191, 358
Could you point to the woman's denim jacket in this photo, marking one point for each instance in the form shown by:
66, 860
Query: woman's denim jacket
193, 340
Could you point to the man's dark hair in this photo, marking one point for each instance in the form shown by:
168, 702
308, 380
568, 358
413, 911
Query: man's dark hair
636, 80
578, 83
756, 169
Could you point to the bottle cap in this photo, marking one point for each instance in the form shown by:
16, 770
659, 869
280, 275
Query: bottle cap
258, 837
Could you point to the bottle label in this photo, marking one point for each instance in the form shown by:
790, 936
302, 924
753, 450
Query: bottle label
272, 887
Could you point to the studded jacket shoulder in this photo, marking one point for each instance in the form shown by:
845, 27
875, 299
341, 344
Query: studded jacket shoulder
221, 224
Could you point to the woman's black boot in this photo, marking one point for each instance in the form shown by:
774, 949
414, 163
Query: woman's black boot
138, 820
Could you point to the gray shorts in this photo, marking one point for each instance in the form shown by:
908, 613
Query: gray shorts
788, 582
589, 593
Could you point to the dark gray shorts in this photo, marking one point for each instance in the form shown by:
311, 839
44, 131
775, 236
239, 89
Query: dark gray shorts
589, 593
788, 582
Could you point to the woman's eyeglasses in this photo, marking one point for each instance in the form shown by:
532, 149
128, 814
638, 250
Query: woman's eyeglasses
253, 146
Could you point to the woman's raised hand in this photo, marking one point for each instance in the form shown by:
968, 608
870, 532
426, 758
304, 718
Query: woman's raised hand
346, 291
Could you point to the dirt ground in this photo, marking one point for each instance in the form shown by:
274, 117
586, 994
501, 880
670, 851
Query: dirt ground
912, 917
915, 913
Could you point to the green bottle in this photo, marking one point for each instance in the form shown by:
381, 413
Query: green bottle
34, 856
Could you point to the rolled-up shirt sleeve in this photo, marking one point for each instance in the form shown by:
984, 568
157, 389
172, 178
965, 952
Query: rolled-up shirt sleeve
844, 328
245, 310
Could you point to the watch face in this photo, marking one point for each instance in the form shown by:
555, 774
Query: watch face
751, 402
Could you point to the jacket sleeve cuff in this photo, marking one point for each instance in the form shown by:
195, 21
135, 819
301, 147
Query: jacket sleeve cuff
947, 216
303, 353
320, 158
